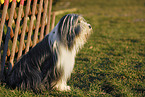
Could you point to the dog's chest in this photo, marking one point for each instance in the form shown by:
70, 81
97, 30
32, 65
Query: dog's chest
66, 60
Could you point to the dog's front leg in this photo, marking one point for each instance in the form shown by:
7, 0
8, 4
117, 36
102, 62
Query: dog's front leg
62, 86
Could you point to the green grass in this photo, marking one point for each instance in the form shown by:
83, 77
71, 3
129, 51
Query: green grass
112, 63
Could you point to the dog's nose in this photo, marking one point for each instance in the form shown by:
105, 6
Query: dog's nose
90, 26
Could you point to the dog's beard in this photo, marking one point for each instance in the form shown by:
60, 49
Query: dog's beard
84, 34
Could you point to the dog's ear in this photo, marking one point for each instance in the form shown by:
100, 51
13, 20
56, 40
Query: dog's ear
77, 30
71, 35
68, 29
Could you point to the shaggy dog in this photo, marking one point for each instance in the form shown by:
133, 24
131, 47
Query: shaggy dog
50, 63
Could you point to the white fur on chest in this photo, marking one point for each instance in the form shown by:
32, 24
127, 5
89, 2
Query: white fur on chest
66, 61
66, 58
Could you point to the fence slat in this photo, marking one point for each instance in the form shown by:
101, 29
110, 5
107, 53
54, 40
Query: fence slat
12, 13
49, 17
53, 21
43, 20
24, 28
37, 23
16, 33
31, 26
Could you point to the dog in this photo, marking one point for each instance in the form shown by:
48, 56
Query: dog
50, 63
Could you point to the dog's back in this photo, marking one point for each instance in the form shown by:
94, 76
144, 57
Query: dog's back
31, 70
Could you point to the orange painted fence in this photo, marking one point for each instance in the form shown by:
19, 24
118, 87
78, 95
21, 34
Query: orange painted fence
22, 25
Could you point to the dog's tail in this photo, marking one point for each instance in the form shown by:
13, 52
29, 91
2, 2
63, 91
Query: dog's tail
3, 71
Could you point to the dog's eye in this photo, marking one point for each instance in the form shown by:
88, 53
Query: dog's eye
79, 21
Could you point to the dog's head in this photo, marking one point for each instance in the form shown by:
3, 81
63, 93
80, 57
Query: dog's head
72, 30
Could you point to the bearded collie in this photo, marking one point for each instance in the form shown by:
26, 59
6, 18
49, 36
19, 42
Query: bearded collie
50, 63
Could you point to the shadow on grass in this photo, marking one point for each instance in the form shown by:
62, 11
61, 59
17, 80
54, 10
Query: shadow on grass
139, 88
112, 89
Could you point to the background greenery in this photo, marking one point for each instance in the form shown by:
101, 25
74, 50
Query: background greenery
112, 63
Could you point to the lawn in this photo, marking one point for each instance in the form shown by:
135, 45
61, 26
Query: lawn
112, 62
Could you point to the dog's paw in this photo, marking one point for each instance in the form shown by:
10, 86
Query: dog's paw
62, 87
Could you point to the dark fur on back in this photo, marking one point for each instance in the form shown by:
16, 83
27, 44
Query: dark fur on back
33, 70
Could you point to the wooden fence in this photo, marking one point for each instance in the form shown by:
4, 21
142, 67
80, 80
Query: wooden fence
23, 25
